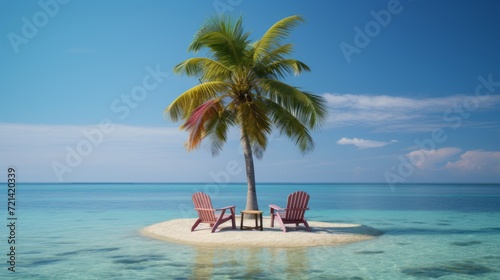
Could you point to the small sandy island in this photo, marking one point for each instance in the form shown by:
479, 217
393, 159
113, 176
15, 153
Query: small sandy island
322, 234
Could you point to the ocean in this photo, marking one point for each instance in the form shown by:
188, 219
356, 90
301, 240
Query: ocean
91, 231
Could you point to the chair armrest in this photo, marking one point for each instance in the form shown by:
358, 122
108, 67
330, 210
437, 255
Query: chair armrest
204, 209
275, 207
296, 209
225, 208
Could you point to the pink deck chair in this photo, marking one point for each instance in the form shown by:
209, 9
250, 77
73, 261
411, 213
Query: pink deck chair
206, 213
294, 211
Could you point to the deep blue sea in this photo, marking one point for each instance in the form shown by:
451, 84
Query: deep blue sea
91, 231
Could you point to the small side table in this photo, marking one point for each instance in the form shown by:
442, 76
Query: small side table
252, 212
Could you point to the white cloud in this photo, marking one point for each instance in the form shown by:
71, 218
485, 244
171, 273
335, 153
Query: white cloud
89, 151
431, 159
390, 102
363, 143
42, 135
456, 159
398, 113
477, 160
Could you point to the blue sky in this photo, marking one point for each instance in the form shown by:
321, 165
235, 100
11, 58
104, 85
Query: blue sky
413, 91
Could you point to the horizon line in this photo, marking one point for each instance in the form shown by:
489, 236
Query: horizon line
275, 183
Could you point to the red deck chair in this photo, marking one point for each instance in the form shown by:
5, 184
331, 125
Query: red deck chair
206, 213
294, 211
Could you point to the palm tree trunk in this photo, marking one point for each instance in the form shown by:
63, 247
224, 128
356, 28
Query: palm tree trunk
251, 193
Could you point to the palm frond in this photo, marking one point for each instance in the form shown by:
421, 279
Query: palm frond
224, 38
275, 35
196, 122
275, 54
188, 101
205, 68
320, 114
310, 109
289, 125
253, 119
217, 129
281, 68
211, 24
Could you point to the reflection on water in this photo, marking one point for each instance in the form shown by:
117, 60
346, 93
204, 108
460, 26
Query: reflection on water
250, 263
203, 264
296, 263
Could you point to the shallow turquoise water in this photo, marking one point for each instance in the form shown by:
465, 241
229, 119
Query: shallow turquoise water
90, 231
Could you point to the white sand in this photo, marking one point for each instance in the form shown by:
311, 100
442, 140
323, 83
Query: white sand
322, 234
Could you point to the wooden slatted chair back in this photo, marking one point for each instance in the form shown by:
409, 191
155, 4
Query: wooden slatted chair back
203, 205
296, 206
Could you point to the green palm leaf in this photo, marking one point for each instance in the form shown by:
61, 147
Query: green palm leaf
205, 68
188, 101
283, 68
308, 108
275, 35
217, 129
225, 39
253, 119
289, 125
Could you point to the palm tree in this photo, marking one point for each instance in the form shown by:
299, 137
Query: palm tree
240, 85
